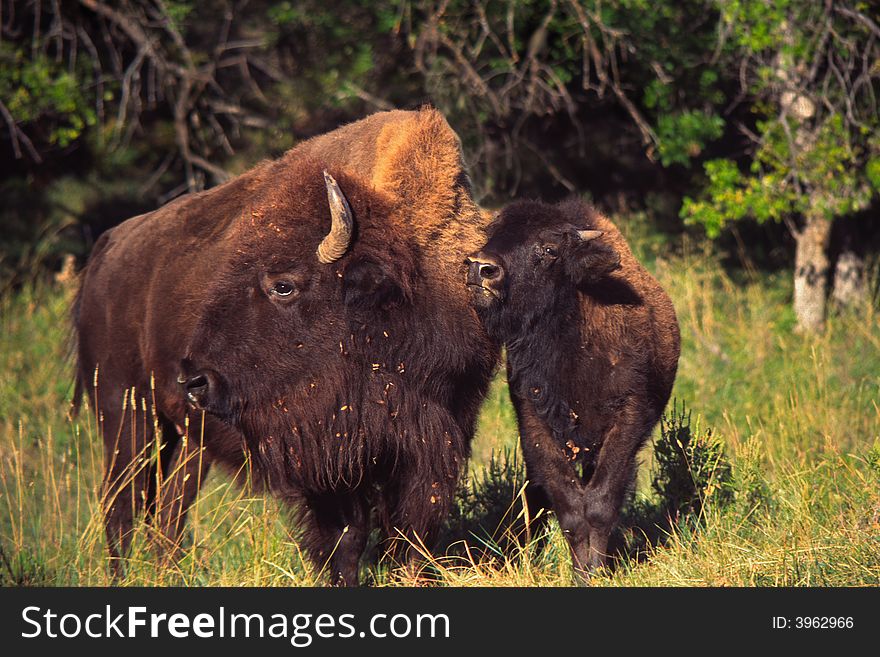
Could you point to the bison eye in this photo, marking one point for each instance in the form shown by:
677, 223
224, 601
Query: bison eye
550, 250
282, 289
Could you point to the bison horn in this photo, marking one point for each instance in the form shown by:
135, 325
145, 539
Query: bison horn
587, 235
337, 241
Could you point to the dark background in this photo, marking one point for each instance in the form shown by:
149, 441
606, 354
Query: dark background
113, 107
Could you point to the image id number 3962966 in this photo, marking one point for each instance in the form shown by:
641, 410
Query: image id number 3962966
813, 623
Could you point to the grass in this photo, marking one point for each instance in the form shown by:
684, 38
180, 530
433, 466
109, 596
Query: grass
796, 417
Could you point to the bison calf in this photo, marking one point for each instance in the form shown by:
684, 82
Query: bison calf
592, 349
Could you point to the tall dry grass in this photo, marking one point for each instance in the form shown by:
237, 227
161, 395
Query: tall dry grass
798, 417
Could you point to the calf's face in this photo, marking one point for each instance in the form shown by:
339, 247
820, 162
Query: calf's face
536, 256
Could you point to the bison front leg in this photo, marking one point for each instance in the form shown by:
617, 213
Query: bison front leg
554, 485
182, 477
335, 528
606, 489
129, 471
412, 511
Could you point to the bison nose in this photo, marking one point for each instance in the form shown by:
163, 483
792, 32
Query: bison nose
198, 388
489, 272
483, 269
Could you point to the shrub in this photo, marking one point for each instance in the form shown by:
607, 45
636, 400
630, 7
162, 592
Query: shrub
691, 467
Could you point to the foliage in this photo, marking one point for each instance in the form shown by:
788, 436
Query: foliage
40, 90
487, 504
682, 136
730, 196
144, 100
810, 68
745, 109
691, 468
208, 71
511, 68
873, 458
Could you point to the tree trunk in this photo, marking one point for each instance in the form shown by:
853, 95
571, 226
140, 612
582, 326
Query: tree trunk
811, 272
850, 280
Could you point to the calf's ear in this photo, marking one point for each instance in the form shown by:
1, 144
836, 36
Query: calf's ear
591, 260
366, 285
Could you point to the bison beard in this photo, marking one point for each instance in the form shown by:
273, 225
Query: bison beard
311, 313
592, 350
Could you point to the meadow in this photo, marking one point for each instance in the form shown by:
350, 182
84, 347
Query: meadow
771, 477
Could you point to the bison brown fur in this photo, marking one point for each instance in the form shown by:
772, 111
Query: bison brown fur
345, 377
592, 349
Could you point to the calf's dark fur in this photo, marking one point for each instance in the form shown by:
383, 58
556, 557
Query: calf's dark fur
592, 350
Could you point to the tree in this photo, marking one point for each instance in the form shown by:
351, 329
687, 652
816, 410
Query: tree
501, 67
751, 108
149, 99
810, 70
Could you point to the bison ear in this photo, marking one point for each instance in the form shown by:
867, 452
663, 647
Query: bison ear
366, 285
592, 261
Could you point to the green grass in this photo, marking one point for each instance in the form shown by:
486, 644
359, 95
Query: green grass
797, 417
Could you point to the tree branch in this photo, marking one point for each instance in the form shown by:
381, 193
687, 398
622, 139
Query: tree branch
17, 134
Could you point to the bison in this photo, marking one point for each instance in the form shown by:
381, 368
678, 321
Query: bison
592, 349
305, 323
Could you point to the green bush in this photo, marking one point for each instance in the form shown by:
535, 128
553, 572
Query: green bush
691, 467
488, 504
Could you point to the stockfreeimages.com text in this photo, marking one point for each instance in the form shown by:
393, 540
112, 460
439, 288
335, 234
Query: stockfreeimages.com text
300, 629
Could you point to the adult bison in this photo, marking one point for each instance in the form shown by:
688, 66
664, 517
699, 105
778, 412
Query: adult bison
307, 318
592, 349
